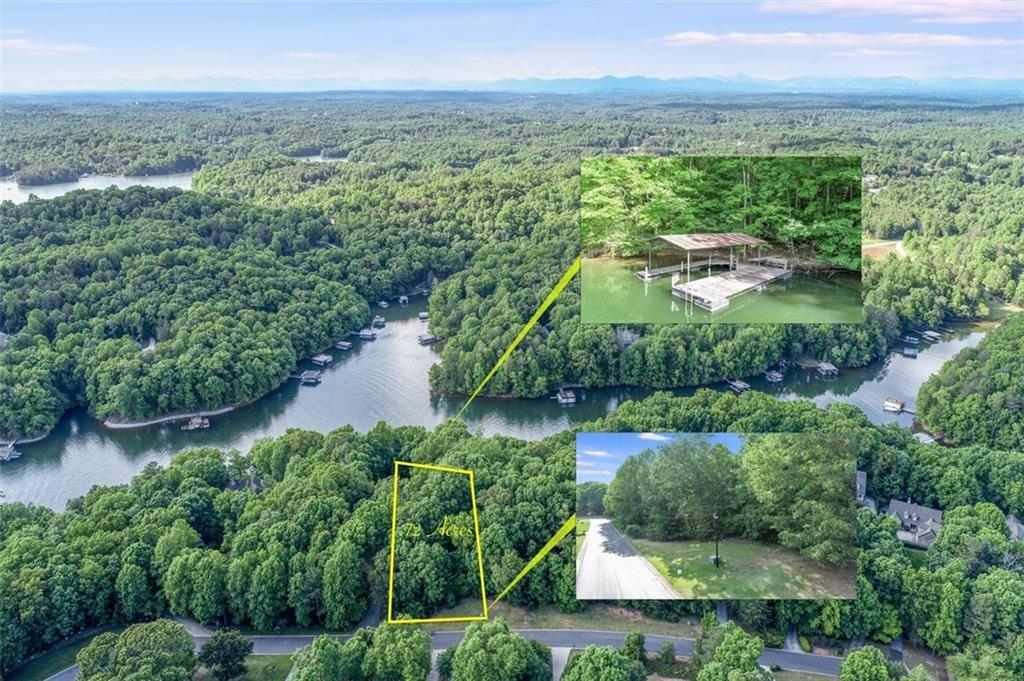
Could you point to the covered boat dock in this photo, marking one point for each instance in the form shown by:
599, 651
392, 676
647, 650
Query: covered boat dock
746, 271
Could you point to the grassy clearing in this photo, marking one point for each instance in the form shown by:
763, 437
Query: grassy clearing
597, 617
917, 556
257, 668
581, 530
58, 658
749, 570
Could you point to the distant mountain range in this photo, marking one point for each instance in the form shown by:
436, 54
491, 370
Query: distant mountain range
606, 84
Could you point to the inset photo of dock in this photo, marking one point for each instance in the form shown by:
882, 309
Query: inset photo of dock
721, 239
731, 516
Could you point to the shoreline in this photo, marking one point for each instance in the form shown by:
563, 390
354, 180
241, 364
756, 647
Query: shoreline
114, 424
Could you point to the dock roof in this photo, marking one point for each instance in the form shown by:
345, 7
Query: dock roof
705, 242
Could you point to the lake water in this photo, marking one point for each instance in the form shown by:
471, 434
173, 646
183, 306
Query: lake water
12, 191
386, 380
611, 294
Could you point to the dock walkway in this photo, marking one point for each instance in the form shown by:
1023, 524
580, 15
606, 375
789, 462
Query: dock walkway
713, 293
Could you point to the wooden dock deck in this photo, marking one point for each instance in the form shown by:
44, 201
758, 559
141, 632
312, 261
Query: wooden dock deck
649, 274
713, 293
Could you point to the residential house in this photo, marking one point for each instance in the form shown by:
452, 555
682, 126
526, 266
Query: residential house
920, 524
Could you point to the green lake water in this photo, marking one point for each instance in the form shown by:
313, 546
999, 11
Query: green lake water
611, 294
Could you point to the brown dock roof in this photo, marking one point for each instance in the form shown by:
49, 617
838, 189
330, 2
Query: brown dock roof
705, 242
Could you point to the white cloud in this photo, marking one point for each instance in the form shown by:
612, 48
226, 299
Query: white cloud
834, 39
870, 52
584, 464
312, 56
920, 11
654, 437
41, 48
596, 452
607, 473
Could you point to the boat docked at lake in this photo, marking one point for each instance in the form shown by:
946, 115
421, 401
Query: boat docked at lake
8, 452
383, 304
565, 397
196, 423
893, 405
310, 377
426, 338
343, 345
737, 386
423, 316
321, 360
773, 376
367, 334
379, 321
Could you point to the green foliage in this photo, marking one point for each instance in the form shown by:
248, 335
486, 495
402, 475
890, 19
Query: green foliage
490, 652
727, 653
794, 489
864, 664
224, 654
634, 648
604, 663
159, 650
233, 297
590, 498
802, 203
978, 397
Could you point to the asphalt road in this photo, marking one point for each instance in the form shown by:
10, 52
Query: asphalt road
609, 568
554, 638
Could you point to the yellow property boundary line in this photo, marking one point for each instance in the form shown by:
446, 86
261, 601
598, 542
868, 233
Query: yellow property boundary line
562, 532
394, 535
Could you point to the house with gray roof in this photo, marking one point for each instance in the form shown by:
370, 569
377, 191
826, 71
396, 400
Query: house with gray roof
920, 525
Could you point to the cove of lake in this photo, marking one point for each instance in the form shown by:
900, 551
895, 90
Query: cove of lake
10, 190
386, 380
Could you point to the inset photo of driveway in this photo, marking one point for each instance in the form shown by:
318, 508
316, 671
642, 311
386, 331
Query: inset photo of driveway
715, 516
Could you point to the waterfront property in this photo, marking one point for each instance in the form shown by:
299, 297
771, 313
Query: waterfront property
322, 360
310, 377
744, 273
920, 524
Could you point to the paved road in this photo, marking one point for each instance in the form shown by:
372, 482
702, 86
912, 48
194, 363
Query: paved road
610, 568
553, 638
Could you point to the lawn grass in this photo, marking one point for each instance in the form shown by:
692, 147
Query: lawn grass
581, 531
597, 617
749, 570
917, 556
55, 659
257, 668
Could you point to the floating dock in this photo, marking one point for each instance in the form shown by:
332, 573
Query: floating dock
321, 360
343, 345
367, 334
197, 423
910, 351
737, 386
713, 293
423, 316
893, 405
931, 336
565, 397
827, 369
403, 300
379, 321
8, 452
383, 304
773, 376
310, 377
426, 338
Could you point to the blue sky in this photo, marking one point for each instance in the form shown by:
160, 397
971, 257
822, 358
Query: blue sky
599, 455
93, 45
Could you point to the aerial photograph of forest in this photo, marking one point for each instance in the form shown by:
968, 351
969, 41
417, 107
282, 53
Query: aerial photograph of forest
725, 239
300, 347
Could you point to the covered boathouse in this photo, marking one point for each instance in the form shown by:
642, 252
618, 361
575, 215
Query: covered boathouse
744, 271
